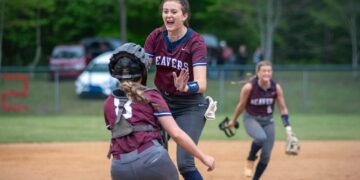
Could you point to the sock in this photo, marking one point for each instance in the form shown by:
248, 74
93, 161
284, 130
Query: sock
253, 151
260, 168
192, 175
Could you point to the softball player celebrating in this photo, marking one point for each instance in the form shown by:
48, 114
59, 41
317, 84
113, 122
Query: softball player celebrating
179, 53
258, 97
135, 115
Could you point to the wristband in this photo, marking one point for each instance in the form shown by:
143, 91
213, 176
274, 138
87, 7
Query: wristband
193, 87
285, 120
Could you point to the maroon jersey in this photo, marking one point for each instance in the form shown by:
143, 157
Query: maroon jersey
261, 102
136, 113
185, 53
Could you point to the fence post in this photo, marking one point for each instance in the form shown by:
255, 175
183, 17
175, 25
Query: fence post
56, 92
221, 89
305, 89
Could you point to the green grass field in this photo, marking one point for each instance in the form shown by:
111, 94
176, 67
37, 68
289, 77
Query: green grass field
16, 129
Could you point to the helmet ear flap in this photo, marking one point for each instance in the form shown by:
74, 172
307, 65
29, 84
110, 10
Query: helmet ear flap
144, 79
111, 65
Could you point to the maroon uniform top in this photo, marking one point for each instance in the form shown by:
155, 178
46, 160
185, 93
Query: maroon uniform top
185, 53
261, 102
136, 113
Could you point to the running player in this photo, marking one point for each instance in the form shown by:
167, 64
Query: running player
258, 97
180, 53
135, 116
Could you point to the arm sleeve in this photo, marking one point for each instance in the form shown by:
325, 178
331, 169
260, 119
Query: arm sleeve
149, 45
160, 106
199, 52
109, 114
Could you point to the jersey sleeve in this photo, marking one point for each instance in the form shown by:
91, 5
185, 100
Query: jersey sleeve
199, 51
150, 43
109, 113
159, 104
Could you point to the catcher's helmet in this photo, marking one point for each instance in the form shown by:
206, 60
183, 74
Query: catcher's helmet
129, 61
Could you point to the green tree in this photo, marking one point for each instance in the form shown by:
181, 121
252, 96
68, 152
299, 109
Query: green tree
2, 19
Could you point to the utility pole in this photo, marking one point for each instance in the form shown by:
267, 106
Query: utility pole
2, 17
122, 8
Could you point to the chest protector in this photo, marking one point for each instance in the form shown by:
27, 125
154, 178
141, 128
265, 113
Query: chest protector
122, 127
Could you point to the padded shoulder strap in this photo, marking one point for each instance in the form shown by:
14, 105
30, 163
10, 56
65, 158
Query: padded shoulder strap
122, 127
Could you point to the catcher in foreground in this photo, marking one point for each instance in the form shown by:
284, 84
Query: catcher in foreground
136, 115
257, 98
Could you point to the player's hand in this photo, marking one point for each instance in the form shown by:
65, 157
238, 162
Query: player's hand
209, 161
231, 124
181, 81
288, 131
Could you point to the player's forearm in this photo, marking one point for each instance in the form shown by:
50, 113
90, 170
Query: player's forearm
202, 86
284, 111
238, 110
200, 78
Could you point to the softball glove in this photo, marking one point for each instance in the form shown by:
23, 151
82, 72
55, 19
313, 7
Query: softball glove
292, 146
210, 111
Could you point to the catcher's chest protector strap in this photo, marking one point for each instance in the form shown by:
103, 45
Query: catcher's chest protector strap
122, 127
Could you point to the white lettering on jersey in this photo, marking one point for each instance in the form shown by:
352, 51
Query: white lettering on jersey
179, 65
128, 110
116, 104
168, 60
157, 60
262, 101
163, 61
171, 62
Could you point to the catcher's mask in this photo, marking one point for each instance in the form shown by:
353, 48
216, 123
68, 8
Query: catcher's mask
129, 61
229, 132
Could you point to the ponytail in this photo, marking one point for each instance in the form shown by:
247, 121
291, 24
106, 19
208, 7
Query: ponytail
135, 92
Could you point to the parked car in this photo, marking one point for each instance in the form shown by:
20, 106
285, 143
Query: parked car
67, 61
95, 46
95, 81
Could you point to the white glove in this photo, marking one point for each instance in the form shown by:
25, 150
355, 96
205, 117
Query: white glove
288, 131
210, 111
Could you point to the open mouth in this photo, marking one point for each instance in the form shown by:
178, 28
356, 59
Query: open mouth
170, 22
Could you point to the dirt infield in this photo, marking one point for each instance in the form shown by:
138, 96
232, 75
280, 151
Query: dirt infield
330, 160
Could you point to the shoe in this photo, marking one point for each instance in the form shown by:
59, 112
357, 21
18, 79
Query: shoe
249, 166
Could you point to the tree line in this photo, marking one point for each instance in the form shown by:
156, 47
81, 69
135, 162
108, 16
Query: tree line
290, 32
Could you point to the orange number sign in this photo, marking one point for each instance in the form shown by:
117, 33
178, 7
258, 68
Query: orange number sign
13, 93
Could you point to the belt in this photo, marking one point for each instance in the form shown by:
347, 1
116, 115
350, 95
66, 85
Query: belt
260, 117
164, 93
138, 150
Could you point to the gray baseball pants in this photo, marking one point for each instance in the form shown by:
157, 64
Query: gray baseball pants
153, 163
262, 130
188, 112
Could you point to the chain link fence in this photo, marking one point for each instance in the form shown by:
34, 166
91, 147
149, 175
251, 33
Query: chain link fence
308, 89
